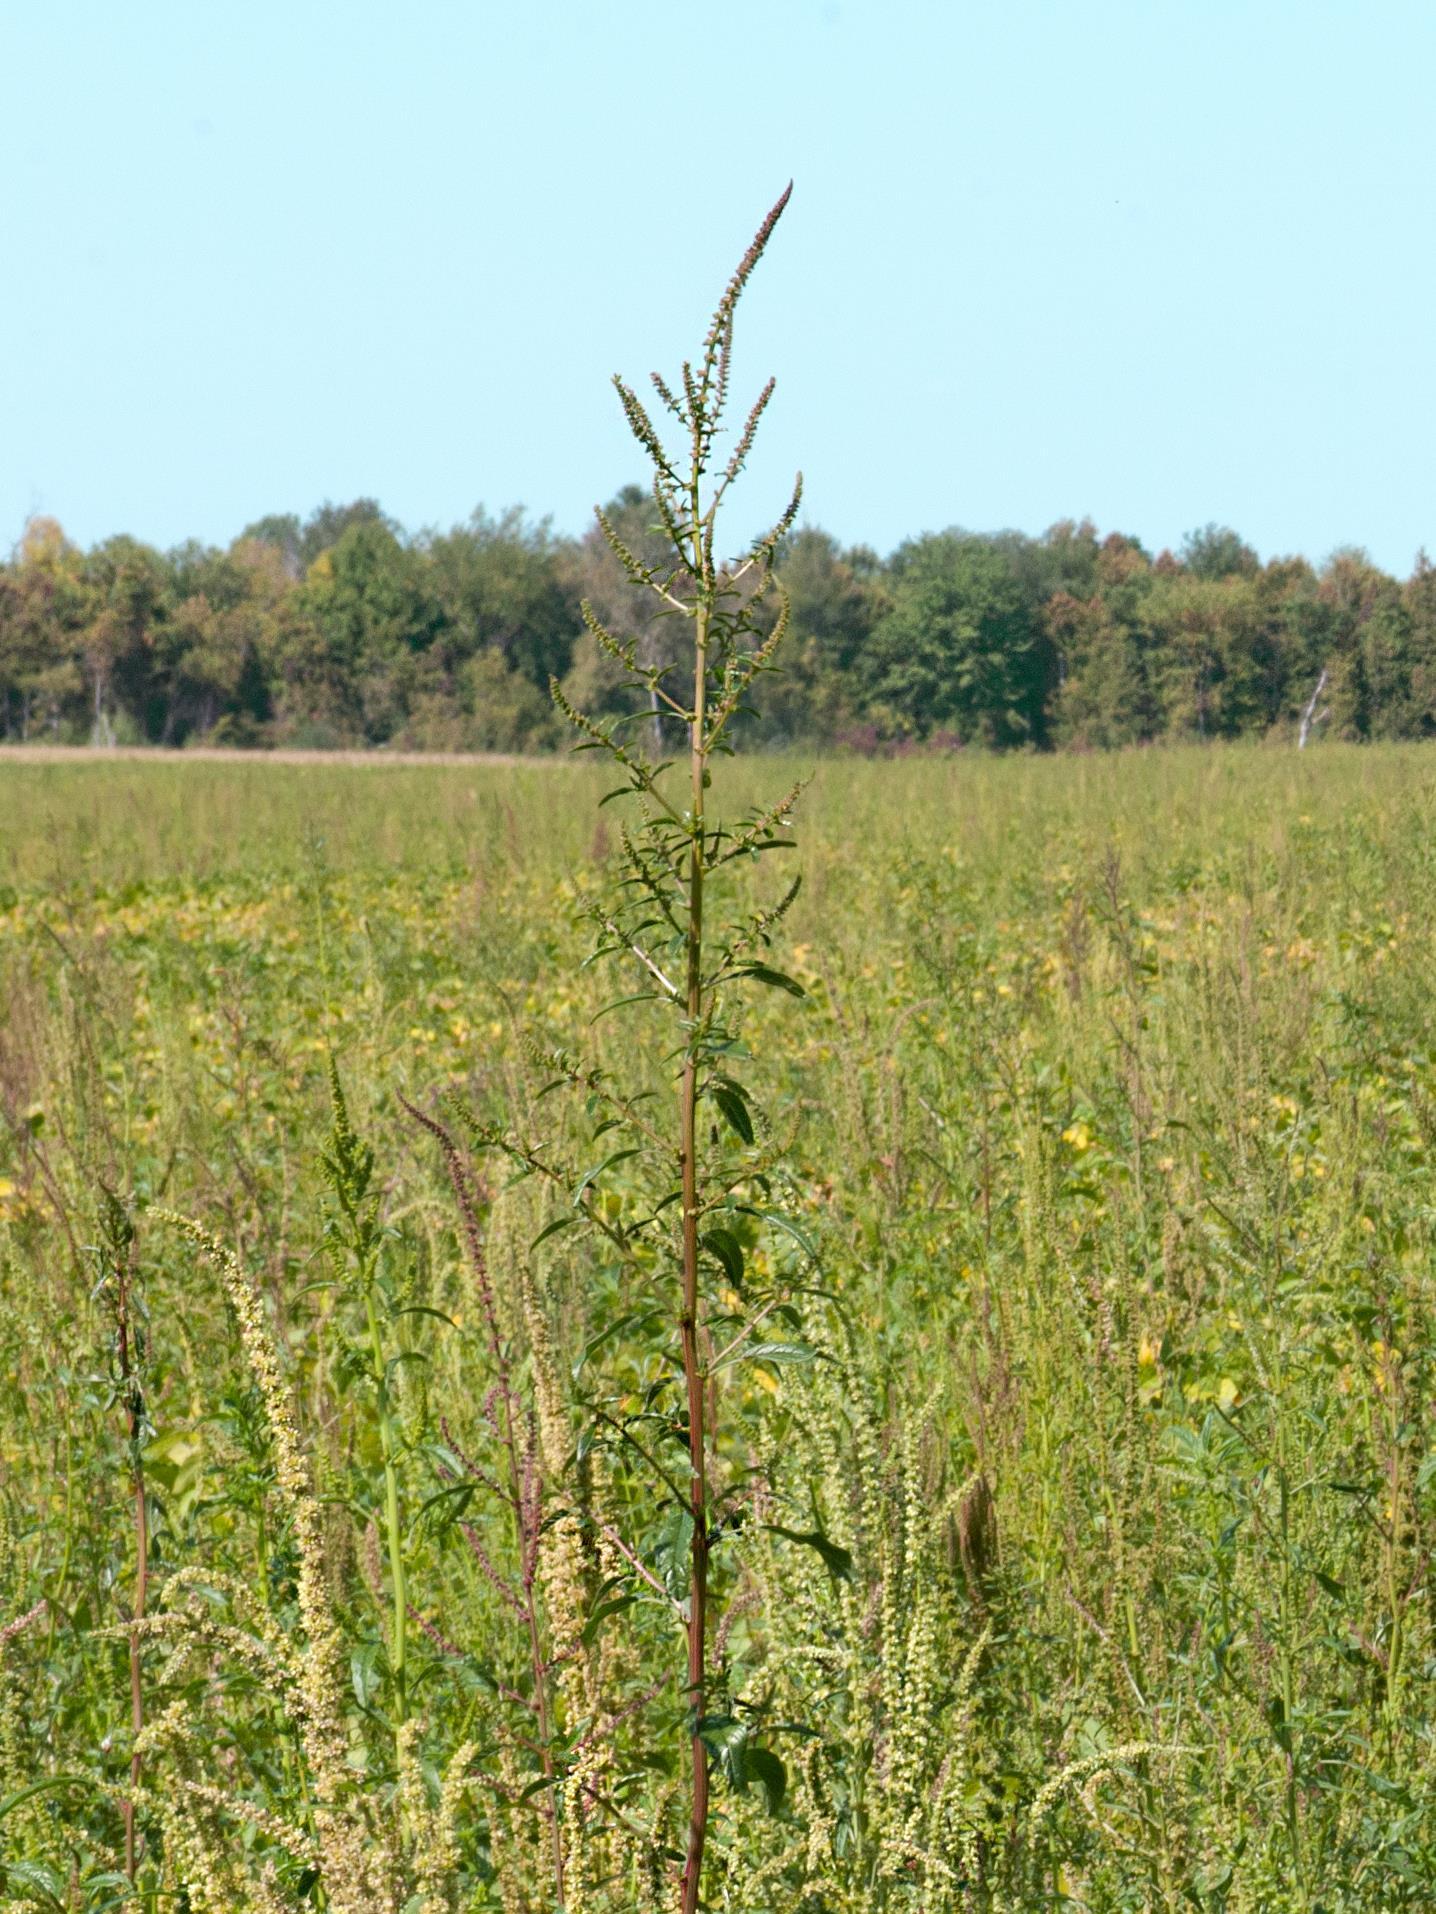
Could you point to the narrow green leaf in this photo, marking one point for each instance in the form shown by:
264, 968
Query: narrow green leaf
364, 1673
425, 1309
838, 1561
619, 1156
731, 1103
784, 1223
673, 1552
776, 1352
725, 1736
37, 1877
13, 1801
768, 843
454, 1498
765, 974
769, 1772
601, 1614
638, 997
595, 1343
725, 1246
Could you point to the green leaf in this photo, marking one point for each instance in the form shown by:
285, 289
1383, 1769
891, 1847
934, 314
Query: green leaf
731, 1102
598, 1169
461, 1492
777, 1352
552, 1229
838, 1561
538, 1786
725, 1246
766, 1769
364, 1673
13, 1801
765, 974
425, 1309
38, 1878
595, 1343
728, 1741
121, 1892
1215, 1879
672, 1555
601, 1614
638, 997
725, 1737
784, 1223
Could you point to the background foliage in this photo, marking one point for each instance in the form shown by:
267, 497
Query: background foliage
1088, 1509
345, 630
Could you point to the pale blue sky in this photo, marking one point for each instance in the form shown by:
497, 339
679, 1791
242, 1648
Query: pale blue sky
1158, 263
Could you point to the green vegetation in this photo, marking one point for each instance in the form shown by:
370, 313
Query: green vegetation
344, 630
1118, 1104
605, 1356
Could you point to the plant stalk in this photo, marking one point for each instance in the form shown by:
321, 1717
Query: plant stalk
692, 1367
398, 1585
135, 1410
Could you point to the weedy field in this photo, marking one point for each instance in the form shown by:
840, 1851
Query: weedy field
1063, 1351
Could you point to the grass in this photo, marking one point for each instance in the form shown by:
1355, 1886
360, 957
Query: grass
1105, 1447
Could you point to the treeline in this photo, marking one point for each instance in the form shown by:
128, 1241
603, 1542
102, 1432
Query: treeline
342, 630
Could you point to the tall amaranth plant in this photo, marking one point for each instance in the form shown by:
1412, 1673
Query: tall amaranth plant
680, 1199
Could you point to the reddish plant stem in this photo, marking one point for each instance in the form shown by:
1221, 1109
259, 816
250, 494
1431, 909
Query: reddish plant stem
689, 1325
524, 1492
134, 1404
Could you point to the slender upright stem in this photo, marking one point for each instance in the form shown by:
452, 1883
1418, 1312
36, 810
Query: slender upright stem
137, 1693
528, 1527
134, 1406
393, 1528
528, 1522
670, 861
688, 1115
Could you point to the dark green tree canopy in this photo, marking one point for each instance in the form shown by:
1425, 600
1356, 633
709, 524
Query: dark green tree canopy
341, 628
959, 648
1216, 551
